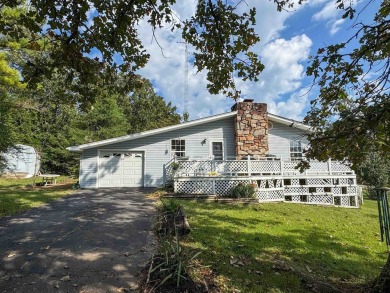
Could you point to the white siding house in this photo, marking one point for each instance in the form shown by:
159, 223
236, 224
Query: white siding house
156, 150
247, 145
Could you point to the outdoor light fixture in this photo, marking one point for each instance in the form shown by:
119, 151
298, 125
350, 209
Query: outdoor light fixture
204, 141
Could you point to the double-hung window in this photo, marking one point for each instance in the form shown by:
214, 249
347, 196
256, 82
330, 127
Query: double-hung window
178, 147
296, 150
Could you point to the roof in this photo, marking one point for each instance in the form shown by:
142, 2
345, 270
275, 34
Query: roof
271, 117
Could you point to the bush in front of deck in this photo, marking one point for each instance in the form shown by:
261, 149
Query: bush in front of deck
243, 191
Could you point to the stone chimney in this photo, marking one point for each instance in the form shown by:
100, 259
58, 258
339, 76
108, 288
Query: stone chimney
251, 126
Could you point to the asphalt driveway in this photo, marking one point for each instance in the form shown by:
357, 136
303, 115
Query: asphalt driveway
93, 241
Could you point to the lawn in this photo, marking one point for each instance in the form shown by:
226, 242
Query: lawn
17, 195
282, 247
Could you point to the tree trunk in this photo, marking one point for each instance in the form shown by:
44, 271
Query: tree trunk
382, 283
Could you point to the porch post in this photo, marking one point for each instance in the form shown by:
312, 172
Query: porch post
164, 174
249, 165
330, 166
281, 166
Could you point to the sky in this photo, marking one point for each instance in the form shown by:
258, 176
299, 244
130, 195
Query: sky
288, 39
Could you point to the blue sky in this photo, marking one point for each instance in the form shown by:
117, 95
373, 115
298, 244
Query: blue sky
287, 41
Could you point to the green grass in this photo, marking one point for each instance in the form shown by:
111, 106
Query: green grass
322, 245
17, 195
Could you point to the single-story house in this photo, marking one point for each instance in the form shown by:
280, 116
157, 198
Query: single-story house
239, 145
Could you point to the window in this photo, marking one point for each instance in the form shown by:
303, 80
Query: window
178, 147
295, 150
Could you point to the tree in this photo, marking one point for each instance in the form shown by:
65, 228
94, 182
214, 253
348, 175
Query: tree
375, 172
9, 78
104, 120
351, 115
221, 36
145, 110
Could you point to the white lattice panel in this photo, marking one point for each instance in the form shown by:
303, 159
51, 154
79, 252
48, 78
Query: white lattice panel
223, 187
296, 198
270, 183
296, 190
263, 183
265, 167
352, 190
231, 166
318, 181
320, 190
295, 182
271, 195
336, 190
321, 199
278, 183
344, 200
339, 167
318, 166
194, 187
290, 167
195, 166
346, 181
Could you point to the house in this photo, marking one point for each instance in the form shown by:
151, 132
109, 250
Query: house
246, 144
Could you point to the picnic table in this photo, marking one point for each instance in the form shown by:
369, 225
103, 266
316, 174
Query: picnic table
49, 179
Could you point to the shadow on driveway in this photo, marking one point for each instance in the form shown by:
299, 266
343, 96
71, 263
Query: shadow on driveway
92, 241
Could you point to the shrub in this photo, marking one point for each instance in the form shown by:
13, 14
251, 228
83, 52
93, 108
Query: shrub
374, 172
175, 166
243, 191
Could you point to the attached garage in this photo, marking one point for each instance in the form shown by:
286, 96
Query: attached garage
120, 169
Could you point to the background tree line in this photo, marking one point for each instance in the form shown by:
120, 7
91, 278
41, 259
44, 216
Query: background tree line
49, 119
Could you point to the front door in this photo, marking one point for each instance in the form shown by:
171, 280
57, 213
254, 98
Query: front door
217, 150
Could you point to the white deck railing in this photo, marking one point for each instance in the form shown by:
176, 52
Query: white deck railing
267, 166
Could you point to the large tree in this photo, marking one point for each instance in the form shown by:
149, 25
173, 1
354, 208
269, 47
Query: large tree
145, 110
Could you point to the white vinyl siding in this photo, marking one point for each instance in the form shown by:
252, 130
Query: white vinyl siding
157, 150
198, 144
88, 169
279, 138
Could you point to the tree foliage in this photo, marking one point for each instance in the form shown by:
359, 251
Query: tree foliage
145, 110
74, 29
49, 118
351, 115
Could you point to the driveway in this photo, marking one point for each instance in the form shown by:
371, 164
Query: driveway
93, 241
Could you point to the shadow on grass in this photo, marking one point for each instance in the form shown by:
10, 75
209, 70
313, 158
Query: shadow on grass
292, 248
18, 199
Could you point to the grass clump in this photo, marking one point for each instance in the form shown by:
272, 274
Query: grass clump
169, 269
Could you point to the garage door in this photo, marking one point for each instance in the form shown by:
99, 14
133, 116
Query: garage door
120, 169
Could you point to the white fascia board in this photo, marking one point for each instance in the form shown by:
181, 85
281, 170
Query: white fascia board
79, 148
289, 122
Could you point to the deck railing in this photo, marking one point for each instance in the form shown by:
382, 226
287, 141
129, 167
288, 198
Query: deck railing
250, 167
275, 179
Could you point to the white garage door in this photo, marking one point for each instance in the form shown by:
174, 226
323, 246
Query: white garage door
120, 169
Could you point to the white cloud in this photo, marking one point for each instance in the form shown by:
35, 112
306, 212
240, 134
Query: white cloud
282, 58
294, 106
328, 12
331, 15
282, 75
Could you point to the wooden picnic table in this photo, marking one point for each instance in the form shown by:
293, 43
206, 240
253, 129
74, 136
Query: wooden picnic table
49, 179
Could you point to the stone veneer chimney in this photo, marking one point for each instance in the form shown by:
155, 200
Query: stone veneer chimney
251, 126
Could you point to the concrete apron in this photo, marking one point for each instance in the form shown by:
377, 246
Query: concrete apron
93, 241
